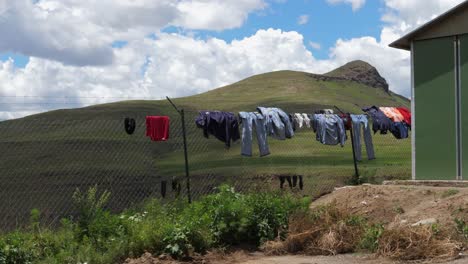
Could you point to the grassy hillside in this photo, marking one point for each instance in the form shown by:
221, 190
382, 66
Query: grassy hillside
47, 156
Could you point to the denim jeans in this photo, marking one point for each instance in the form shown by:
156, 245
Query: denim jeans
359, 121
249, 119
277, 122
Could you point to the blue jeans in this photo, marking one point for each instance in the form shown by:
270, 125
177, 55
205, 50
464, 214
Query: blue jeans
359, 121
248, 120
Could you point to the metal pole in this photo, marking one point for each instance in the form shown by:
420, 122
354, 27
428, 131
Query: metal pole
356, 171
187, 175
184, 134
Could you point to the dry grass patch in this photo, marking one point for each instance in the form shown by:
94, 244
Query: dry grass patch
329, 231
417, 243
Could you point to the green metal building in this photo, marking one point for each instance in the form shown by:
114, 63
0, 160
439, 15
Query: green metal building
439, 58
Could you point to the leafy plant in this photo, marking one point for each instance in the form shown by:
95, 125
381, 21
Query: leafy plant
89, 207
462, 227
370, 239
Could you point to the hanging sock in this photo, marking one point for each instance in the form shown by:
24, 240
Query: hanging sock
176, 187
301, 183
130, 125
288, 178
157, 128
163, 189
282, 180
294, 178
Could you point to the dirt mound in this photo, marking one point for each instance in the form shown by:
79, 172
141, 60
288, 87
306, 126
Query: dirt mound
396, 205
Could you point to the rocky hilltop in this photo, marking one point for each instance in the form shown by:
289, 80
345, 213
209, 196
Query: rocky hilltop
357, 71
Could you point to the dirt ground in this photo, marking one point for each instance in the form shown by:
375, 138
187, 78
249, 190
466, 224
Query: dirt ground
242, 257
393, 204
387, 204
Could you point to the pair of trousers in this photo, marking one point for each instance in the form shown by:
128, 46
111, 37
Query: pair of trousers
359, 121
249, 119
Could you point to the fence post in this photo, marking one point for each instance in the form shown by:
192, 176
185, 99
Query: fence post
356, 171
187, 175
184, 135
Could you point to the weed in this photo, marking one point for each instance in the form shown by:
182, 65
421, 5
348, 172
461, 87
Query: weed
462, 227
370, 239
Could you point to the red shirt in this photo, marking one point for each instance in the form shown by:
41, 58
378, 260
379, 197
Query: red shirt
406, 114
157, 128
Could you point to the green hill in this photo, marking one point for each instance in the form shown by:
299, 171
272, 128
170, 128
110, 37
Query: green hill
47, 156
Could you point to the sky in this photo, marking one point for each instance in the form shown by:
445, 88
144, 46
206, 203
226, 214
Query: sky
73, 53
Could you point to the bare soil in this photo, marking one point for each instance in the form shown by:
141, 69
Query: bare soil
393, 204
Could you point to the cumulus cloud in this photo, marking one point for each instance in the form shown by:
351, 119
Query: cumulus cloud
172, 64
80, 32
355, 4
400, 16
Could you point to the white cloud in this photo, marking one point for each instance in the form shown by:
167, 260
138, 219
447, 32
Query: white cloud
216, 14
80, 32
303, 19
315, 45
175, 65
355, 4
178, 64
400, 17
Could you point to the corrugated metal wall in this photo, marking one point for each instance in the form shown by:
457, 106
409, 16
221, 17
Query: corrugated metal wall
435, 89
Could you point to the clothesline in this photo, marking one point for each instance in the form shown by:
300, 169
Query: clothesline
330, 128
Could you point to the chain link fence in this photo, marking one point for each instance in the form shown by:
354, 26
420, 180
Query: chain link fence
46, 158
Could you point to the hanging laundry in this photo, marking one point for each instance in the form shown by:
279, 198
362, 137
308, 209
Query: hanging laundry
346, 120
359, 121
222, 125
302, 120
306, 120
129, 125
400, 130
380, 122
277, 122
299, 120
291, 119
330, 129
406, 113
157, 128
392, 113
325, 112
249, 120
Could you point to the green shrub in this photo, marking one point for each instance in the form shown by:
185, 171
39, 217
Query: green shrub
370, 239
462, 227
178, 228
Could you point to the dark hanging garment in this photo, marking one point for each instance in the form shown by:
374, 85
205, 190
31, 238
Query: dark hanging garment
130, 125
400, 130
380, 122
346, 120
163, 189
222, 125
157, 128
